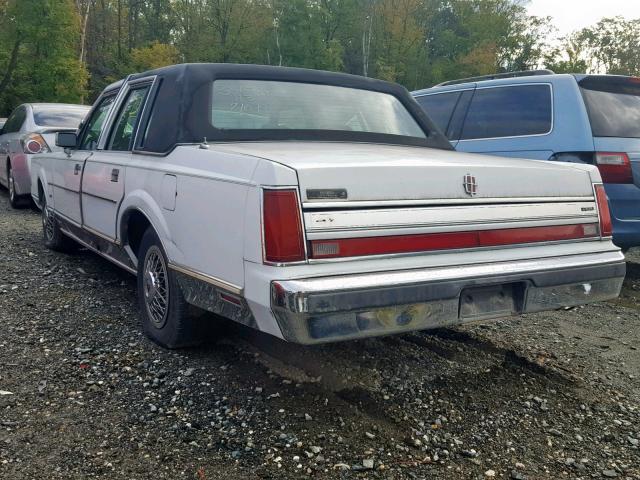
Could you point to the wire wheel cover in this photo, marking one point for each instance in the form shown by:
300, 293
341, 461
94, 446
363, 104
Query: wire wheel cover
156, 287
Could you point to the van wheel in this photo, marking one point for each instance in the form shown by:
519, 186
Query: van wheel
54, 239
164, 311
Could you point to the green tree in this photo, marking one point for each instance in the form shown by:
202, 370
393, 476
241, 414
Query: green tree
612, 46
41, 57
154, 56
569, 57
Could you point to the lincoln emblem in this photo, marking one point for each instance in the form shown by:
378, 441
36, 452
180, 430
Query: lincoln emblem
470, 185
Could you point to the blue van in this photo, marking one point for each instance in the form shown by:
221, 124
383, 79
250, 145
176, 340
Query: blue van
541, 115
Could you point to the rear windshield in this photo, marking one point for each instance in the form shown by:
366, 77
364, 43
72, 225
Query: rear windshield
276, 105
59, 116
613, 104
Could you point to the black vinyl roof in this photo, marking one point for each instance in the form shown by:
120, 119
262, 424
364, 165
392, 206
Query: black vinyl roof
182, 106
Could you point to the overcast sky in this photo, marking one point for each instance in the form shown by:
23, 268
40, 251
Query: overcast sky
570, 15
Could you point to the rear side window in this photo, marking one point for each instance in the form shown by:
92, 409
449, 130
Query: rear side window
16, 119
127, 120
509, 112
613, 104
440, 107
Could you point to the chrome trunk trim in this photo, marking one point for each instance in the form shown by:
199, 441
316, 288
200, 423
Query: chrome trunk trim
346, 205
375, 222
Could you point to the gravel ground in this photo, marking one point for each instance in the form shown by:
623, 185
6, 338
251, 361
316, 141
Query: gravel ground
83, 394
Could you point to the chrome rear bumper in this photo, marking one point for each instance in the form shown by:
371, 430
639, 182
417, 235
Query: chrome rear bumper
336, 308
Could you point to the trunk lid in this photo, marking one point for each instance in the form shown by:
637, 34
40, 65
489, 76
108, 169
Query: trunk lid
385, 173
362, 200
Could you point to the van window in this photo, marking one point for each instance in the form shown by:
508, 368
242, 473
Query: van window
440, 107
509, 112
613, 104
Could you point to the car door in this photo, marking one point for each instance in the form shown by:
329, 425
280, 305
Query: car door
10, 138
67, 169
104, 171
509, 120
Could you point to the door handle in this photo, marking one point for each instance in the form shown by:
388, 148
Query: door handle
115, 173
77, 168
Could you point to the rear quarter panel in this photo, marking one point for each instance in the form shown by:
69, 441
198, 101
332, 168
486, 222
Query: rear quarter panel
203, 229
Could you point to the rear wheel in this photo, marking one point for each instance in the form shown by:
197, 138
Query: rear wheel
165, 313
53, 237
16, 201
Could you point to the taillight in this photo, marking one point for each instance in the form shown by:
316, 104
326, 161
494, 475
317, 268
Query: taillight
606, 228
34, 143
614, 167
283, 236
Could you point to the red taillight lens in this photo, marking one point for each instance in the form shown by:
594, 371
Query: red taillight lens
614, 167
606, 228
283, 237
356, 247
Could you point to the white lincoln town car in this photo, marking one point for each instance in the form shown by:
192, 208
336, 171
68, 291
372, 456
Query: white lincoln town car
315, 207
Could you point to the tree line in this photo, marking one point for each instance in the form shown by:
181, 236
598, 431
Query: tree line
69, 50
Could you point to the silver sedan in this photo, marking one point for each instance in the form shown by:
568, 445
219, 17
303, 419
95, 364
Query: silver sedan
30, 130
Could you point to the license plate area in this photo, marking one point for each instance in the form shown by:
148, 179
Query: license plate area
492, 301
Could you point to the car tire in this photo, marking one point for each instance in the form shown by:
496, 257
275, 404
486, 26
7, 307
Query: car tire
164, 312
16, 201
53, 237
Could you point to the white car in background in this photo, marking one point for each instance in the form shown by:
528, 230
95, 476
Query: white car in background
315, 207
30, 130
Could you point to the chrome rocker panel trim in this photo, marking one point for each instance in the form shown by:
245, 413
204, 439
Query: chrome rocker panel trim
546, 283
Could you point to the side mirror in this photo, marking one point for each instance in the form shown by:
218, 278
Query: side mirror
66, 139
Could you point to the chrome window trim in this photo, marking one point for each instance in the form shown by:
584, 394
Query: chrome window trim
443, 92
126, 87
85, 125
550, 85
